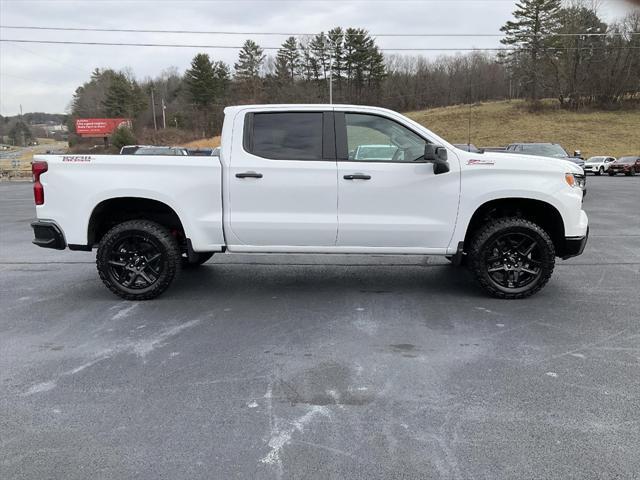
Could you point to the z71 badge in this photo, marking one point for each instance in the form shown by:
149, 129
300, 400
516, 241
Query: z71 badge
76, 158
476, 161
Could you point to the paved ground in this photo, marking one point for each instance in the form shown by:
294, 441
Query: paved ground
322, 367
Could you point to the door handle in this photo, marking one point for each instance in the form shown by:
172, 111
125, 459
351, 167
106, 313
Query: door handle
357, 176
248, 175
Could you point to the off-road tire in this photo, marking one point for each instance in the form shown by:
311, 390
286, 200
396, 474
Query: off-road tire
480, 249
168, 262
200, 258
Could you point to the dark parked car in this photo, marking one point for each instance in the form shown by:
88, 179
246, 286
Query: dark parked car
546, 150
629, 165
552, 150
468, 147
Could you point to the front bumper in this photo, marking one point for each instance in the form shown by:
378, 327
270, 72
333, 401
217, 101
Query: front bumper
48, 235
574, 246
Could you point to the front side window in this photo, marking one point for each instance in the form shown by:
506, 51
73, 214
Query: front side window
287, 136
371, 138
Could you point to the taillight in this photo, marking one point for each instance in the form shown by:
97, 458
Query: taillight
37, 169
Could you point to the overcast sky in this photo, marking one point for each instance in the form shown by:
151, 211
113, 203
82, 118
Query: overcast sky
43, 77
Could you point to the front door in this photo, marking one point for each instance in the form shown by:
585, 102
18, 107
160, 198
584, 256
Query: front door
282, 180
388, 197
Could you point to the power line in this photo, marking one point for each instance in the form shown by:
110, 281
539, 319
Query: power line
406, 49
221, 32
28, 79
68, 65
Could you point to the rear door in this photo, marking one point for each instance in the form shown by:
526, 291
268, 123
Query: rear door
282, 180
388, 197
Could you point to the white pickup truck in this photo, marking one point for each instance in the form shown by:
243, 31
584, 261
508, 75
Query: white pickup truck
288, 180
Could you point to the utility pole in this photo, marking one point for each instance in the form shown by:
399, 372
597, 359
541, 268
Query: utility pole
164, 118
153, 108
469, 128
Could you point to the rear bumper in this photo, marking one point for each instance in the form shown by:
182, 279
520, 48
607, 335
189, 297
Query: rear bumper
574, 246
48, 235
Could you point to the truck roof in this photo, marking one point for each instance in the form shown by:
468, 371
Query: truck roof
304, 106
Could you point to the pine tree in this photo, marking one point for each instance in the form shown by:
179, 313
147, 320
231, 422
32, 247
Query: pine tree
321, 55
249, 62
531, 34
222, 78
363, 62
336, 49
201, 81
288, 60
124, 97
248, 69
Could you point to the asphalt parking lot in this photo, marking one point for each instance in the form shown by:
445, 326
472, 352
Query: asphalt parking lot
337, 367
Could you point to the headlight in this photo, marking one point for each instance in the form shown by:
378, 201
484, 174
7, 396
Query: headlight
575, 180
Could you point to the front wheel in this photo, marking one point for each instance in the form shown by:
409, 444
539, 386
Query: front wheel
511, 258
600, 171
138, 259
611, 174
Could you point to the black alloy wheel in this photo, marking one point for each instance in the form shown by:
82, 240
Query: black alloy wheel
514, 260
135, 262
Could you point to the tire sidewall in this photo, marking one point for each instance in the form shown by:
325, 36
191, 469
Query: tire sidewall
480, 249
161, 238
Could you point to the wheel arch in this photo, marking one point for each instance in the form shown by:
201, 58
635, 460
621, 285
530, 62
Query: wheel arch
110, 212
539, 212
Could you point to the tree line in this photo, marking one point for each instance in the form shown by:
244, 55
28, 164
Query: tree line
538, 61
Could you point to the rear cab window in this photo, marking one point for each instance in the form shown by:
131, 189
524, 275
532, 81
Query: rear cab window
285, 135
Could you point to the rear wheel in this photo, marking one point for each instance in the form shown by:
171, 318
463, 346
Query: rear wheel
511, 258
138, 259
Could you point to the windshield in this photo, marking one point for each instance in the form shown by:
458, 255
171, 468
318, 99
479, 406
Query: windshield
545, 149
596, 159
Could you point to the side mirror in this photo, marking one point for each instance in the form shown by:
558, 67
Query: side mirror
437, 156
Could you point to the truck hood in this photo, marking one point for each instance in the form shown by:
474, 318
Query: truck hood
518, 161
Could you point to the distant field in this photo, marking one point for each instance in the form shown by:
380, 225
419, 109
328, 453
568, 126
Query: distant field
204, 143
613, 133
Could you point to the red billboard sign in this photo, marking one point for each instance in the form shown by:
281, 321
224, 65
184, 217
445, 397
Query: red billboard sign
99, 127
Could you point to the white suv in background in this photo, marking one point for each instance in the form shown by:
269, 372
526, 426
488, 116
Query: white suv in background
598, 165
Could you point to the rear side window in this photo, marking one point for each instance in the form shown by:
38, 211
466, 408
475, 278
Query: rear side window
286, 136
